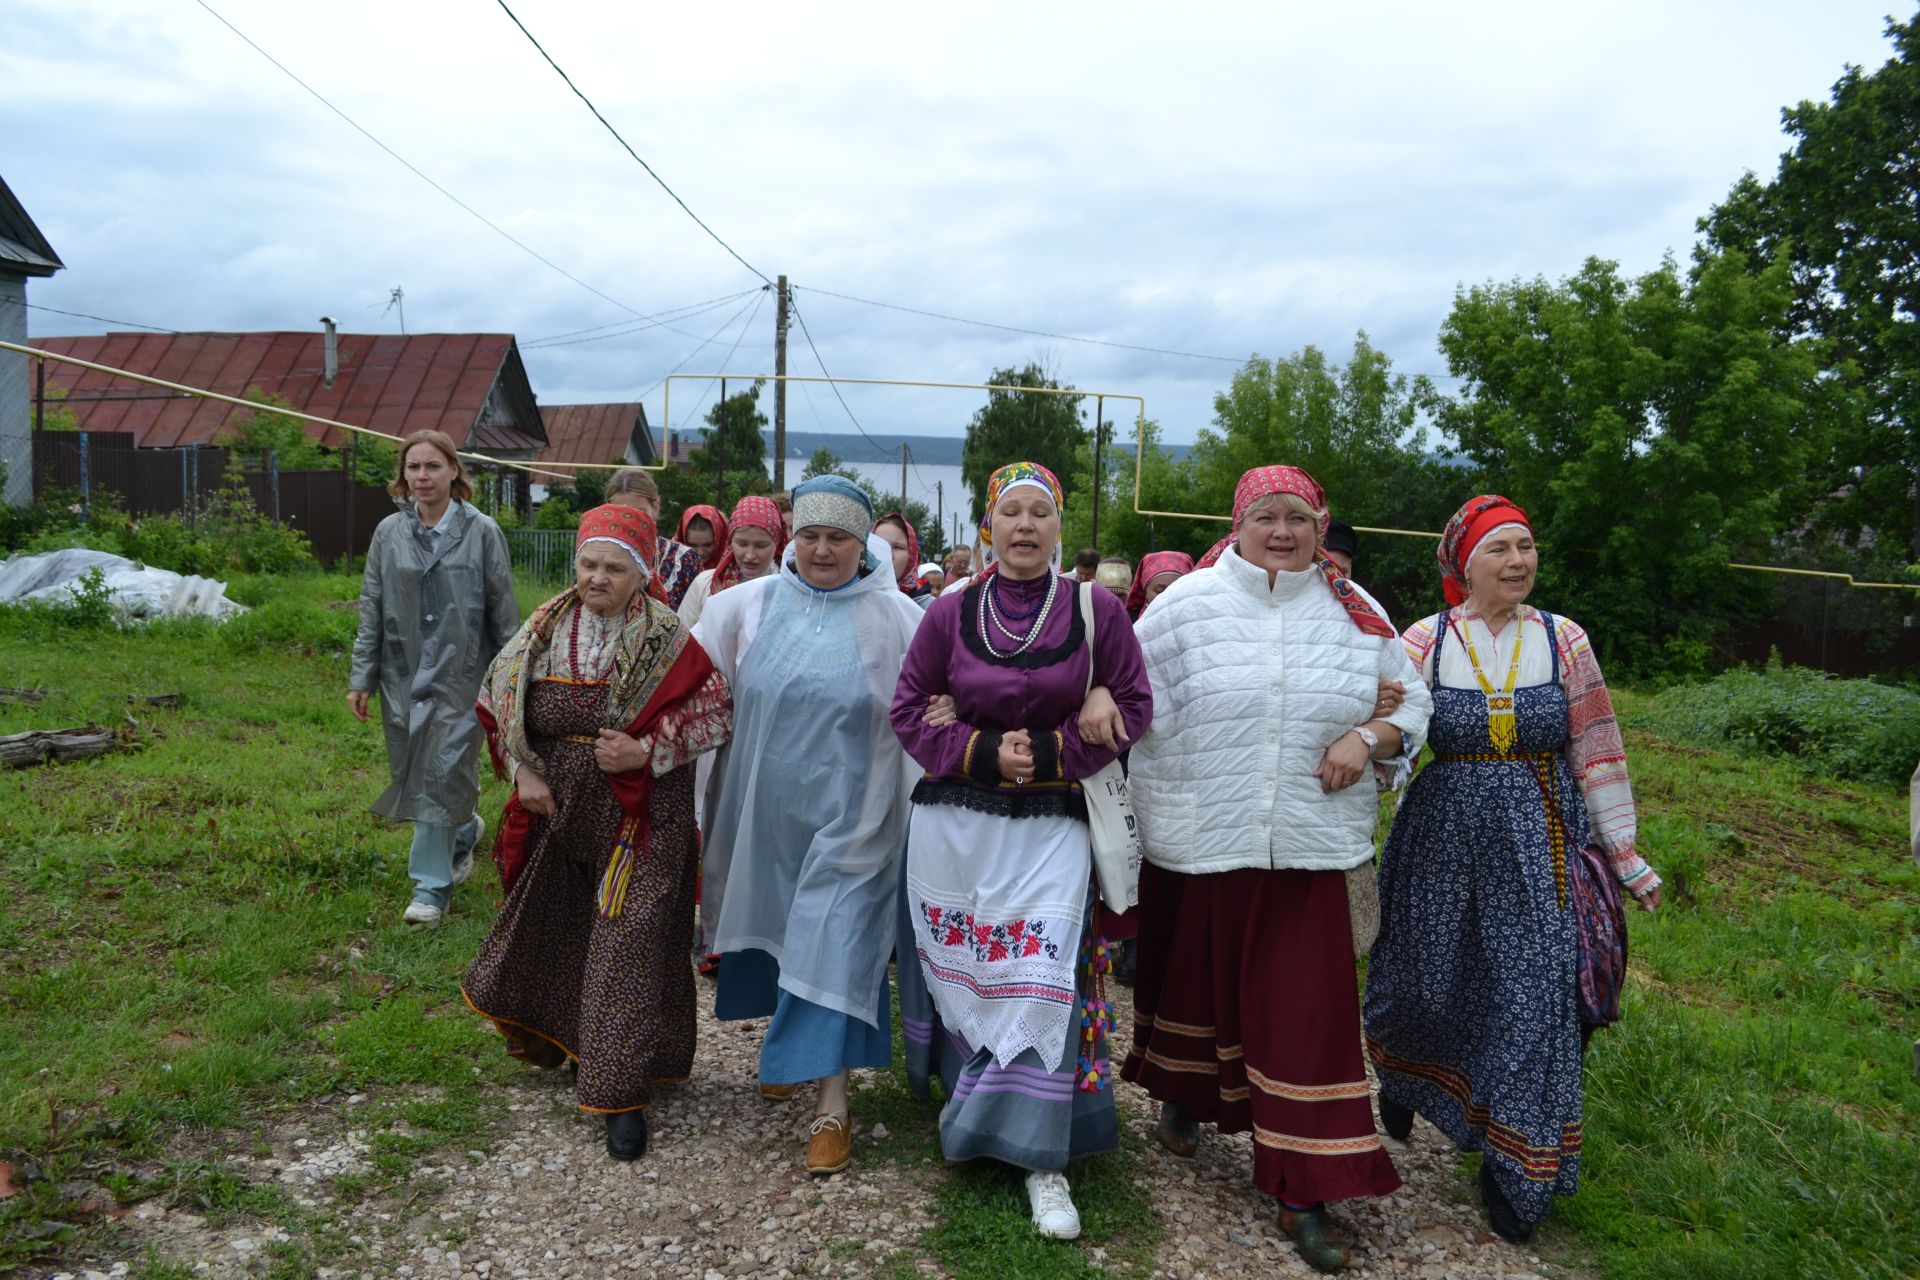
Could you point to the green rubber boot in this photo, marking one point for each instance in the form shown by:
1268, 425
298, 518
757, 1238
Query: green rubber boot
1314, 1235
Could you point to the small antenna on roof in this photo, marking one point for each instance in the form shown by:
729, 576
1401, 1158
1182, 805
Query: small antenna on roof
396, 297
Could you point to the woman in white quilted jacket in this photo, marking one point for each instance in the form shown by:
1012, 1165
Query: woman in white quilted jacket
1255, 794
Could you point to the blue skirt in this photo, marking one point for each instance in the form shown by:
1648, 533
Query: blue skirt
805, 1041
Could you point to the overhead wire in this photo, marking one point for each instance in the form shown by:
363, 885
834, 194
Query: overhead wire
724, 360
82, 315
704, 344
418, 172
678, 313
628, 147
629, 328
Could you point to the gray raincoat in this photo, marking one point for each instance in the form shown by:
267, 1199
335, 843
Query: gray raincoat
434, 609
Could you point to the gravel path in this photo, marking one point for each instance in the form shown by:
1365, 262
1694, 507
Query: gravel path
721, 1193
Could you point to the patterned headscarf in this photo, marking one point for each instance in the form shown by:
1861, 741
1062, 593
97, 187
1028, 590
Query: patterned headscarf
1013, 476
1260, 482
631, 530
910, 580
1466, 531
721, 530
753, 512
627, 528
835, 502
1152, 565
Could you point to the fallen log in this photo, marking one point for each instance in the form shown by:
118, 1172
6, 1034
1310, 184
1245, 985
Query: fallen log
37, 746
29, 696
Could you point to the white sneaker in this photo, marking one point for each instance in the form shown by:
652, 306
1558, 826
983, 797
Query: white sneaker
463, 852
423, 915
1053, 1213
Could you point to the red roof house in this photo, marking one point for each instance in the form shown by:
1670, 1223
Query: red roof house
597, 433
472, 386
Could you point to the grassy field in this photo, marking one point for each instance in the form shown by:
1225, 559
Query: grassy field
199, 936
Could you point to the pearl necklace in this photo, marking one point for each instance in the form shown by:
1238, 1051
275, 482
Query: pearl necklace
989, 611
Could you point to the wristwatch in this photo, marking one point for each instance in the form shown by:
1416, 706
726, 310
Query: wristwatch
1369, 737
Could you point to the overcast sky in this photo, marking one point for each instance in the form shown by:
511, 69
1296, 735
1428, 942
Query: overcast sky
1214, 178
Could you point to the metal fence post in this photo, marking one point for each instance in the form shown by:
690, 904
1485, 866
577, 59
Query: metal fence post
186, 500
86, 479
273, 471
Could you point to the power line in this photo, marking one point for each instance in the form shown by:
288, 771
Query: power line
808, 334
82, 315
629, 150
724, 360
624, 328
704, 344
1034, 333
691, 309
415, 169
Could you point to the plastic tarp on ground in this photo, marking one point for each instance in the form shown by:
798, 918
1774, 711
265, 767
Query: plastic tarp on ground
138, 592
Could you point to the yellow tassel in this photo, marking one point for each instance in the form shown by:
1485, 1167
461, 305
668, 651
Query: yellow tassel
1502, 729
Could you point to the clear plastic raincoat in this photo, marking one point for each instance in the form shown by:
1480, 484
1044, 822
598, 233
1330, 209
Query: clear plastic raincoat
810, 812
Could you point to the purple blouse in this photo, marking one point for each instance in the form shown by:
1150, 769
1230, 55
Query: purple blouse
1040, 690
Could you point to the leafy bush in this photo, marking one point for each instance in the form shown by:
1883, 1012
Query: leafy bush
228, 534
1852, 729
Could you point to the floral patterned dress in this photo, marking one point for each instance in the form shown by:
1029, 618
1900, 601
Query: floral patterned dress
1471, 1012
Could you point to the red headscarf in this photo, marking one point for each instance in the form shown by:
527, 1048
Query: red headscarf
633, 531
753, 512
1260, 482
910, 580
1152, 565
721, 531
1469, 526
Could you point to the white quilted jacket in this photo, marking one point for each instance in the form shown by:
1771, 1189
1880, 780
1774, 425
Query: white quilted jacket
1251, 685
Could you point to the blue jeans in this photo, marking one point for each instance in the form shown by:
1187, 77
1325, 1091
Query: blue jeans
431, 859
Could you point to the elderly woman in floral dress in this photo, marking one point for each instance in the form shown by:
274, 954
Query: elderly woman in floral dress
596, 709
1504, 850
1255, 795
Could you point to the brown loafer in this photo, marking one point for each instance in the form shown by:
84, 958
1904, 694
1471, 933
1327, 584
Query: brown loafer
829, 1145
778, 1092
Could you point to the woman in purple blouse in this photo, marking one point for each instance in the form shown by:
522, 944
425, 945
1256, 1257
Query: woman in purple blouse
997, 901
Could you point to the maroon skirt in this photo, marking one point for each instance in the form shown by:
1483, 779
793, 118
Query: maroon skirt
1247, 1013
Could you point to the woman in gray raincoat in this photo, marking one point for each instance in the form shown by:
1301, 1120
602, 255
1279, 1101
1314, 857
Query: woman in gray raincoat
435, 606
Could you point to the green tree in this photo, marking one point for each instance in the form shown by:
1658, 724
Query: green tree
1165, 485
732, 436
1014, 426
1845, 207
1655, 429
264, 429
1356, 428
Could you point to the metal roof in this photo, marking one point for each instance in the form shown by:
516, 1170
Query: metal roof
596, 433
470, 385
23, 250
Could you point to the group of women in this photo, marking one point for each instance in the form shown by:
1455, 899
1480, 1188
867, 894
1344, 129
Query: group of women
901, 777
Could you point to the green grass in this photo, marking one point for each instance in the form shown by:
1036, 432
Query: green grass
207, 927
1755, 1113
201, 935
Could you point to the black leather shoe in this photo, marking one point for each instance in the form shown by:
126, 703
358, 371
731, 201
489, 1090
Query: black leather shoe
1500, 1215
1396, 1119
627, 1135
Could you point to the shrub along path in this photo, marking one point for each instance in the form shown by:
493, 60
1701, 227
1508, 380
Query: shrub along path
215, 1033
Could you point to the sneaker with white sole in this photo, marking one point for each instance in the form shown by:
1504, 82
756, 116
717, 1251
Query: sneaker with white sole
1053, 1213
423, 915
463, 849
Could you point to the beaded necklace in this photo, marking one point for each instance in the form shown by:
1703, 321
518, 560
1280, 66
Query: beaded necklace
596, 687
990, 613
1503, 731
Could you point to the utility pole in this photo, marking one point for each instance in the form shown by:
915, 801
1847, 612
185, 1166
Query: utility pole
719, 441
780, 389
1099, 429
940, 504
903, 476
